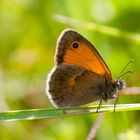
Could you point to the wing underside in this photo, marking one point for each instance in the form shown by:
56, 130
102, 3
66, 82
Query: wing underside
73, 86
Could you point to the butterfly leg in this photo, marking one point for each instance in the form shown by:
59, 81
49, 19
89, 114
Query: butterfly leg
99, 105
116, 100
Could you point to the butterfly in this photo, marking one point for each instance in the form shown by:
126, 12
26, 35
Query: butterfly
80, 75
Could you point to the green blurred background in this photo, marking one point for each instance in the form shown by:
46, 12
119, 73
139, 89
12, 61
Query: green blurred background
28, 34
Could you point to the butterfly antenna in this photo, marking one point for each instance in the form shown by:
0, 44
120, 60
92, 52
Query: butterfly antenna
124, 74
121, 73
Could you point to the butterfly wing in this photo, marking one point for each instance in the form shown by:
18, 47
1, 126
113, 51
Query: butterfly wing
70, 85
85, 55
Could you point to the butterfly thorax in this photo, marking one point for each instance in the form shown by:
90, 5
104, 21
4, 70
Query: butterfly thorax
111, 88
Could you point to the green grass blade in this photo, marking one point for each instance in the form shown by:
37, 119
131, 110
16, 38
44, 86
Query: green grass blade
110, 31
32, 114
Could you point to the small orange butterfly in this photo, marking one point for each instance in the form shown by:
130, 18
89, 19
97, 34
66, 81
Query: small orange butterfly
80, 75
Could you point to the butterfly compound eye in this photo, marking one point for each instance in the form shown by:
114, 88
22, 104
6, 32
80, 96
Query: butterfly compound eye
75, 45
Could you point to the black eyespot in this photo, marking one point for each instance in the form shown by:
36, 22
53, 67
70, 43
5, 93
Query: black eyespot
75, 45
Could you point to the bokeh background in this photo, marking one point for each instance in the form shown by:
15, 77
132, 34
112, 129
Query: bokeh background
28, 34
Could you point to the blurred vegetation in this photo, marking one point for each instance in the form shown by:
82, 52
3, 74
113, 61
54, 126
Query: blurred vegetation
28, 34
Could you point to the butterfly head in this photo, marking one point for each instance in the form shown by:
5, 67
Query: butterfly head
119, 85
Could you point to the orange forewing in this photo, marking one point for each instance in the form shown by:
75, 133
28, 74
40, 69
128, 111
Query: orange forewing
87, 57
